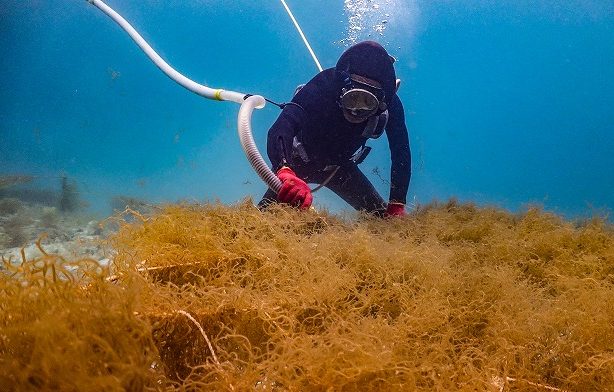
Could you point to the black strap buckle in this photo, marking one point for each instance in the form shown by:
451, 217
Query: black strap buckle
299, 150
360, 155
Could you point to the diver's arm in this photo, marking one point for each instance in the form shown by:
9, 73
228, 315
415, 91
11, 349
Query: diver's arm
281, 134
294, 190
398, 140
310, 99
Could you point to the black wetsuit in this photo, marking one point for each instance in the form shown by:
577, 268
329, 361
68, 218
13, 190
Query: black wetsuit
328, 138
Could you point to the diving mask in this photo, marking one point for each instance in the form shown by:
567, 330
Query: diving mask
361, 103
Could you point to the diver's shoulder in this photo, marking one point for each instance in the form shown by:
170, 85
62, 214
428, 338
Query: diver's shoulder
325, 78
318, 90
396, 106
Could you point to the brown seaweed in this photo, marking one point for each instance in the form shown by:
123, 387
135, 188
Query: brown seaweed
451, 297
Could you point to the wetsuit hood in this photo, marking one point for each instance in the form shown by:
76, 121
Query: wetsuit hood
369, 59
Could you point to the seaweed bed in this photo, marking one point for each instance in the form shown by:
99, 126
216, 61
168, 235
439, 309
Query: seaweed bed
210, 297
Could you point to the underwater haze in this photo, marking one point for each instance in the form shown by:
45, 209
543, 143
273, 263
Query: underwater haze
507, 103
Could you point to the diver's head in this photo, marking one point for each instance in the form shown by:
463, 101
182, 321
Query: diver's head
367, 79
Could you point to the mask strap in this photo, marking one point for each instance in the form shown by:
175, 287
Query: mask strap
346, 79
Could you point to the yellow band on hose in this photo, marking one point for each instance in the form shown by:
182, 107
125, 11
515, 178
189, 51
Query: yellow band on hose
218, 94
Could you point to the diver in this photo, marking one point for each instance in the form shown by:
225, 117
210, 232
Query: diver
320, 136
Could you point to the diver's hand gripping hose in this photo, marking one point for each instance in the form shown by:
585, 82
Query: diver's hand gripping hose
248, 144
293, 190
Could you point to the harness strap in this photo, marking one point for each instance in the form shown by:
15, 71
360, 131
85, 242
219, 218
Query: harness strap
330, 177
279, 105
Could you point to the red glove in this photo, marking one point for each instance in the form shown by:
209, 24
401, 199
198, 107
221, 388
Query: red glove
395, 209
293, 190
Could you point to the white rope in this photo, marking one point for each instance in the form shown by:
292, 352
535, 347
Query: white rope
302, 35
202, 331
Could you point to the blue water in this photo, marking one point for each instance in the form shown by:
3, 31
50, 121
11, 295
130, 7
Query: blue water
508, 103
